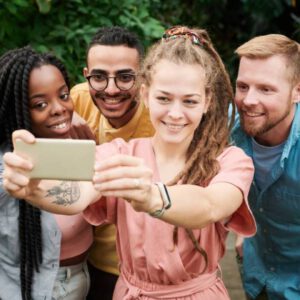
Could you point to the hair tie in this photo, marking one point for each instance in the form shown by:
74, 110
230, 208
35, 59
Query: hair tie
178, 31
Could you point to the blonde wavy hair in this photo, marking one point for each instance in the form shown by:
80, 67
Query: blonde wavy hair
193, 46
268, 45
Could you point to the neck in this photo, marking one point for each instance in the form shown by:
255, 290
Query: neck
170, 159
169, 151
120, 122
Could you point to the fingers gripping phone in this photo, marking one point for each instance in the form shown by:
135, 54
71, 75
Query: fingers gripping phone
60, 158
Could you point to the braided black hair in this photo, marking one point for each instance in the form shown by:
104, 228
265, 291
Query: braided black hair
15, 68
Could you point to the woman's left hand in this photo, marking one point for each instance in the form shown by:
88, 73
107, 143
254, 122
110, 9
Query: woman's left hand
129, 178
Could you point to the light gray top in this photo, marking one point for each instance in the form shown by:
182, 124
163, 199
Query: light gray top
9, 249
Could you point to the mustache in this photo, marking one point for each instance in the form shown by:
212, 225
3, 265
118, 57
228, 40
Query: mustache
122, 94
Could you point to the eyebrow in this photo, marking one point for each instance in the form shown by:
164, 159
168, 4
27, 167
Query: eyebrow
187, 95
42, 95
100, 71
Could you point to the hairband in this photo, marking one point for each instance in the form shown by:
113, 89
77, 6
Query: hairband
178, 31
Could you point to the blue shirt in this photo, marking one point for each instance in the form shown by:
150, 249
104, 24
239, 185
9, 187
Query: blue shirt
264, 158
9, 250
271, 258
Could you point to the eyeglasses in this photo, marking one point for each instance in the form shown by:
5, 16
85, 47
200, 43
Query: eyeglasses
123, 81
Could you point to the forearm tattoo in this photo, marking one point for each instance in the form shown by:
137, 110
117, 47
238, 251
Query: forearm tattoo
65, 194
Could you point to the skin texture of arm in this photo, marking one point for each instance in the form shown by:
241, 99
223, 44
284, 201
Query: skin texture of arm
62, 197
117, 176
201, 206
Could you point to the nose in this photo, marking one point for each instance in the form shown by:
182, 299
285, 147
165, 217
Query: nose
175, 111
250, 98
111, 88
57, 107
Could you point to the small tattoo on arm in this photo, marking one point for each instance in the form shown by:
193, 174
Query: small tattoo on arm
64, 194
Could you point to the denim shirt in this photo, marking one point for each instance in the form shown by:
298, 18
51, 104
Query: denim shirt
271, 258
9, 249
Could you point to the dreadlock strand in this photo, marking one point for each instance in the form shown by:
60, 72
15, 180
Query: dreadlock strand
15, 68
17, 95
193, 46
25, 83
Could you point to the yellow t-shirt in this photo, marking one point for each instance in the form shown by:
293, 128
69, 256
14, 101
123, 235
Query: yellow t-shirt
103, 253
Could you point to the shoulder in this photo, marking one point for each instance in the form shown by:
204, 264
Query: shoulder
80, 88
144, 124
80, 92
232, 154
235, 167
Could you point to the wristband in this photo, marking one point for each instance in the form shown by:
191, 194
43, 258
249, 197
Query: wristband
165, 198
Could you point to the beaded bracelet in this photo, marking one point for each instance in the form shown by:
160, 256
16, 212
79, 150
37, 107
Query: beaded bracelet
166, 200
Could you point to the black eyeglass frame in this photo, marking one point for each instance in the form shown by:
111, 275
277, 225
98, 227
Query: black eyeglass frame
88, 77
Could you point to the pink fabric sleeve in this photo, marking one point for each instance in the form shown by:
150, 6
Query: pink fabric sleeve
104, 210
237, 169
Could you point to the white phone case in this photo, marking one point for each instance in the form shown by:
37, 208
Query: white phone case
60, 158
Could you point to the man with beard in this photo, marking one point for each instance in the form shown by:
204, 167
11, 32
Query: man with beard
109, 104
268, 129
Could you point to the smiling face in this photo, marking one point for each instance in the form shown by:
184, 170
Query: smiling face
116, 105
50, 104
176, 100
265, 98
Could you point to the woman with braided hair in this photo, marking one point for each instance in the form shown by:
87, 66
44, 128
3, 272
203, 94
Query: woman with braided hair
175, 196
39, 250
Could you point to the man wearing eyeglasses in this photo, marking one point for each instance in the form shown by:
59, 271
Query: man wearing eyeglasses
109, 104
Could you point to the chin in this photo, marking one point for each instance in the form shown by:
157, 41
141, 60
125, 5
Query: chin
174, 141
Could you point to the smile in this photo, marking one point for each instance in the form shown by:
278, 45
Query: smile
252, 114
175, 127
60, 126
112, 101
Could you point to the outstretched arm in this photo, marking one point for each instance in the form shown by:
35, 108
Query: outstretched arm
64, 197
192, 206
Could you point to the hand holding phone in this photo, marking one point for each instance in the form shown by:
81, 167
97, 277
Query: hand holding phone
65, 159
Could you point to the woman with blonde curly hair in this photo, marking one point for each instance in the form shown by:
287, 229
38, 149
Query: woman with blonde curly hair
184, 189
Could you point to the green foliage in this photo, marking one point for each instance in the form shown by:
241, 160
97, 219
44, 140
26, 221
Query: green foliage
232, 22
66, 27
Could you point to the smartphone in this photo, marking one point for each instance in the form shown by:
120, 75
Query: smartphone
65, 159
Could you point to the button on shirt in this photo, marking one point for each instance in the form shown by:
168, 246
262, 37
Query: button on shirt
9, 250
272, 257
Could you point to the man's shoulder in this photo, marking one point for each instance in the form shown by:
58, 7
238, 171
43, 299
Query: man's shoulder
80, 92
82, 100
144, 125
80, 88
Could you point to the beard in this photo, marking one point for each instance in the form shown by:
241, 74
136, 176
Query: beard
254, 130
119, 97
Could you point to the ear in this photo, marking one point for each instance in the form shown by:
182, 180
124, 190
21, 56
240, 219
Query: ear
85, 71
296, 91
144, 94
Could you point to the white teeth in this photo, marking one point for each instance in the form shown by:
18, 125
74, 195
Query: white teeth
60, 126
175, 127
112, 101
251, 114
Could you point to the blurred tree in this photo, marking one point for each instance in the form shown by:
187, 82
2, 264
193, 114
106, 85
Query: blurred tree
65, 27
232, 22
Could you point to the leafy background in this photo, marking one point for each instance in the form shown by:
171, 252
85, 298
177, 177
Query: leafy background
66, 26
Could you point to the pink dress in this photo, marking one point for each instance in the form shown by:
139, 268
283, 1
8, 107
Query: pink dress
151, 267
